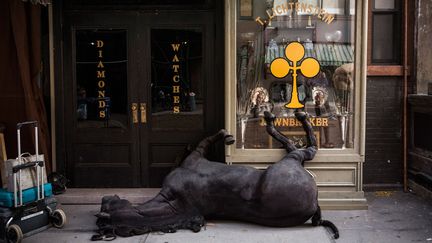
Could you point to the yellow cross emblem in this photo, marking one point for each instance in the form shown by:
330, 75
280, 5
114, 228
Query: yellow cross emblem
280, 68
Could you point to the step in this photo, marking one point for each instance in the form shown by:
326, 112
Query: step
84, 196
93, 196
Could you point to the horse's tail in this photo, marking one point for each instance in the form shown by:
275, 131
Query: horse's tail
318, 221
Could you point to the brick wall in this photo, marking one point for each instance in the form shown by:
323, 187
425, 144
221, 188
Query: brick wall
383, 162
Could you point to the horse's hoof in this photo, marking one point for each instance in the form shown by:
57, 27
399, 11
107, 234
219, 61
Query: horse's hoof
196, 228
229, 139
301, 115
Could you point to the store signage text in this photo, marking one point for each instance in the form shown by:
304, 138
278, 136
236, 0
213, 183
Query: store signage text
100, 75
304, 8
176, 78
281, 67
293, 122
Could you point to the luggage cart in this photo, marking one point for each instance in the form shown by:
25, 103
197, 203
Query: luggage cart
31, 210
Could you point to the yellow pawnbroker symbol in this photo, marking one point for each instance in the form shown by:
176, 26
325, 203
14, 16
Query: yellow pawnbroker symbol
280, 68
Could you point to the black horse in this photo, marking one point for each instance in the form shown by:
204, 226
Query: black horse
284, 194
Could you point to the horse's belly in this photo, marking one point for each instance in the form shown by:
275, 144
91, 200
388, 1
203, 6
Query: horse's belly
289, 192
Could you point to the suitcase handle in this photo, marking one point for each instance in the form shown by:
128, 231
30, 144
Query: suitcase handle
23, 155
17, 168
21, 124
35, 125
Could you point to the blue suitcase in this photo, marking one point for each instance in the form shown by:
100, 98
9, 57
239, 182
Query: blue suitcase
23, 212
29, 195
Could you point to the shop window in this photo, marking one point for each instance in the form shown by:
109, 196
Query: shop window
326, 30
101, 78
386, 32
176, 54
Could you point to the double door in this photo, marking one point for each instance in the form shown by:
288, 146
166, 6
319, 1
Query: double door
138, 88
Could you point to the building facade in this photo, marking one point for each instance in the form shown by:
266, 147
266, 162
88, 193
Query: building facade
133, 83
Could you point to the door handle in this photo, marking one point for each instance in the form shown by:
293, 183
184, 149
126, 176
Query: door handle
134, 109
143, 111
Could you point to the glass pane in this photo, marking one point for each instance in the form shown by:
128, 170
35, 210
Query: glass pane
384, 4
334, 6
352, 7
246, 8
383, 41
328, 96
177, 79
101, 78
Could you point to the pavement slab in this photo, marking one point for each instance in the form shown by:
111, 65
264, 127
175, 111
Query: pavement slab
82, 223
228, 231
392, 217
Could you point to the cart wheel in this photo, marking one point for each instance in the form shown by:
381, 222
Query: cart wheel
14, 234
58, 218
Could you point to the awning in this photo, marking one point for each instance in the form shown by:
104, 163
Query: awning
326, 54
334, 54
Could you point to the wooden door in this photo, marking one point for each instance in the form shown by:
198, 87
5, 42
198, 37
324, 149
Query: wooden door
100, 79
139, 87
178, 73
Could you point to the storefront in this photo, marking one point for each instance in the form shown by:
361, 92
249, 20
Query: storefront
331, 32
137, 82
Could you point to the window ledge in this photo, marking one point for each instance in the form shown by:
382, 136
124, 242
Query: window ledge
265, 157
386, 70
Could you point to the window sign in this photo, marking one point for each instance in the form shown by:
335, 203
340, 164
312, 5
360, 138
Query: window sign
288, 10
177, 80
308, 5
317, 75
101, 78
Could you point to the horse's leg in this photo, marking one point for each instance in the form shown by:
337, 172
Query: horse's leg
203, 146
311, 149
304, 154
269, 118
307, 127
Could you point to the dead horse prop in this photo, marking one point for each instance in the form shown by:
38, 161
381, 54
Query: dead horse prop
283, 195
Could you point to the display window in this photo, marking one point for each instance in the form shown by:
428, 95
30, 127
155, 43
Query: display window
325, 31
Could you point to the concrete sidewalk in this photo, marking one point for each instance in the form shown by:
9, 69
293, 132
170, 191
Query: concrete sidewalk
82, 223
392, 217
